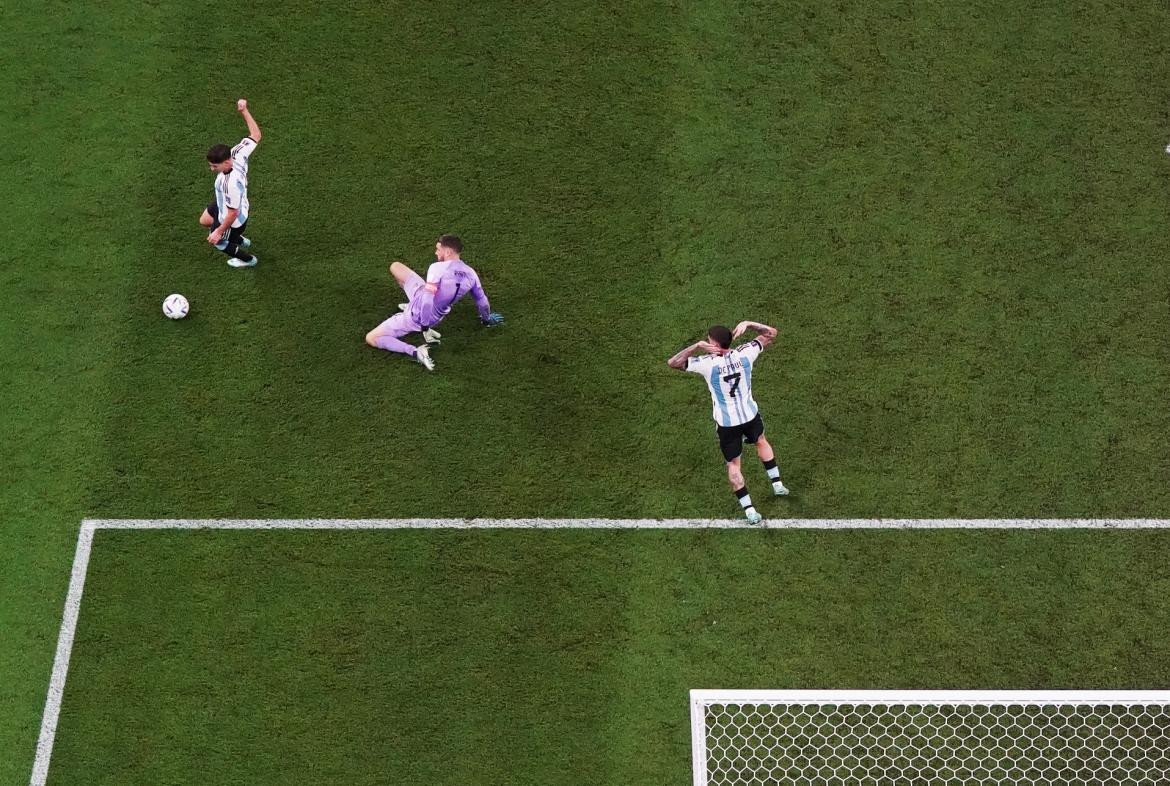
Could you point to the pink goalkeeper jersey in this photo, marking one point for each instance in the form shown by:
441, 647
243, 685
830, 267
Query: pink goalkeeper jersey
446, 283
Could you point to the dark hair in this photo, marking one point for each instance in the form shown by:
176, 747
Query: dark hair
721, 336
218, 154
452, 242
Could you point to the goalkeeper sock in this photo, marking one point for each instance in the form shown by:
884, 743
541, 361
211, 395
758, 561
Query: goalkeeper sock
392, 343
773, 471
745, 501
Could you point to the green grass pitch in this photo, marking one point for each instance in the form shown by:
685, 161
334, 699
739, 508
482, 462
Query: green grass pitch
956, 214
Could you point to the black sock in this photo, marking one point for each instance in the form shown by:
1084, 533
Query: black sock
234, 250
745, 501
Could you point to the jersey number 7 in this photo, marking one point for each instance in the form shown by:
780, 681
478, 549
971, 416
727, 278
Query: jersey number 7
733, 380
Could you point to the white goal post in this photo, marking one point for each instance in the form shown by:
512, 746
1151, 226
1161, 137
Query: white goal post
916, 738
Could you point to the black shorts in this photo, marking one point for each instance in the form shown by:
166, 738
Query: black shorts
731, 438
234, 234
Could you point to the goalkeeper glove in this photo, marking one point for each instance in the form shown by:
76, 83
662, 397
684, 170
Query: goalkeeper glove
493, 319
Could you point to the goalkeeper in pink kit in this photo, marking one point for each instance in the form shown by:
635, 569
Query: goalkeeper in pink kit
429, 301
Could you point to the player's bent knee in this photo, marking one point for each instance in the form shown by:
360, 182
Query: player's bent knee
205, 219
372, 339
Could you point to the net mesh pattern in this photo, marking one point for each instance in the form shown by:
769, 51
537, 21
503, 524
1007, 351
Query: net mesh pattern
937, 744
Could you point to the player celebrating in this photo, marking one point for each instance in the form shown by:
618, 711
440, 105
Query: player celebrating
728, 373
428, 302
229, 212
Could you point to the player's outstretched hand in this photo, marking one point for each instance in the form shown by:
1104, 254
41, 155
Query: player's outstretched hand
740, 329
493, 319
242, 104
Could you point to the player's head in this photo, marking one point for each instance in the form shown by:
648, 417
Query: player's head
448, 247
219, 158
720, 336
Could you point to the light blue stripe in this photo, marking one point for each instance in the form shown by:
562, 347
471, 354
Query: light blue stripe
243, 200
717, 387
747, 385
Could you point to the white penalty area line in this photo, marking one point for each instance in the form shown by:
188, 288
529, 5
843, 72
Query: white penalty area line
56, 692
626, 524
61, 661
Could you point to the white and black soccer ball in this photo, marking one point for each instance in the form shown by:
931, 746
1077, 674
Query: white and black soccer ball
176, 306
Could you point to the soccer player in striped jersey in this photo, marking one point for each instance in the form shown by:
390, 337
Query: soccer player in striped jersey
228, 214
728, 373
429, 301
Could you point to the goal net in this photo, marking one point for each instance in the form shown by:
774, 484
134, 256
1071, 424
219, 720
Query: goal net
921, 738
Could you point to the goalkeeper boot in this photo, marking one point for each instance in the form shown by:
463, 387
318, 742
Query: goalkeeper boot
423, 356
431, 336
753, 516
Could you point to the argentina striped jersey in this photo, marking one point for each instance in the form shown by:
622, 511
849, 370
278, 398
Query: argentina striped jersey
231, 188
729, 378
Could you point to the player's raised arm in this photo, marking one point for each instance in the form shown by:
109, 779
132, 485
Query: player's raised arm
766, 333
253, 127
679, 360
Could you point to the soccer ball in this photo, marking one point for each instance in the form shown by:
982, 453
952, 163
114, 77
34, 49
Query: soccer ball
176, 306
